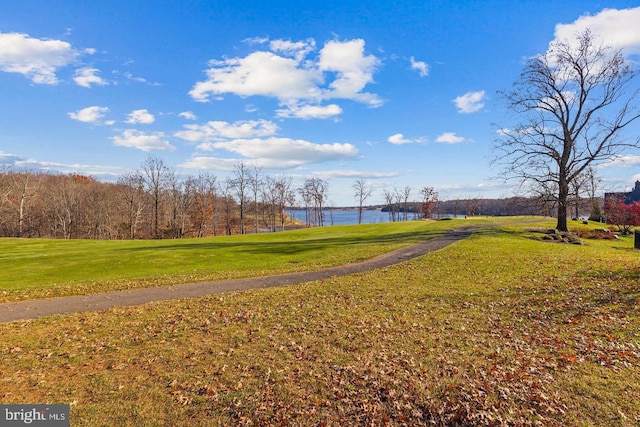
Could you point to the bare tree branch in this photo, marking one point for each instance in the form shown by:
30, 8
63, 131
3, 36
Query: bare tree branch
573, 102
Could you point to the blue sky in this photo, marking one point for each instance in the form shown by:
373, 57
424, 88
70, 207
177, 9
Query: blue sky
400, 93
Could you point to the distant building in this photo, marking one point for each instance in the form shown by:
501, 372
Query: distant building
629, 197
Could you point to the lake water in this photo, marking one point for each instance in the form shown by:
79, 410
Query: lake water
346, 217
350, 217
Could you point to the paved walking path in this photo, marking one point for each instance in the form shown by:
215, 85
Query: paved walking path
33, 309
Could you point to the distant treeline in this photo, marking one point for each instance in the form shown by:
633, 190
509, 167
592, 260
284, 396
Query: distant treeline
509, 206
154, 202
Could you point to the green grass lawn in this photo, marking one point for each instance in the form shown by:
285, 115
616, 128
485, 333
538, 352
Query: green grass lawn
33, 268
498, 329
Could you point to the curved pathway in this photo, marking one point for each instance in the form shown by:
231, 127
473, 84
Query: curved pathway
33, 309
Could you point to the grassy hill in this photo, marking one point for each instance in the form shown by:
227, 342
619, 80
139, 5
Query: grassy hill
498, 329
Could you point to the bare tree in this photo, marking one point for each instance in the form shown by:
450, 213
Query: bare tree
405, 194
307, 199
473, 205
182, 196
269, 198
429, 199
362, 192
577, 187
5, 190
240, 185
316, 190
575, 100
65, 198
593, 183
389, 199
229, 204
285, 196
132, 201
201, 211
255, 184
456, 204
25, 188
155, 175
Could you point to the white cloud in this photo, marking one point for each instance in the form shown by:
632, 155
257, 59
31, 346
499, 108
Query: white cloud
617, 27
212, 163
297, 50
289, 148
131, 77
354, 68
36, 59
7, 159
85, 77
219, 130
132, 138
21, 163
629, 160
399, 139
287, 73
343, 173
93, 170
309, 111
256, 40
470, 102
92, 114
256, 142
261, 74
188, 115
421, 67
450, 138
284, 153
140, 117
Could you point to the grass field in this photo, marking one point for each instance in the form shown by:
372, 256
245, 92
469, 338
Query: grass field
34, 268
498, 329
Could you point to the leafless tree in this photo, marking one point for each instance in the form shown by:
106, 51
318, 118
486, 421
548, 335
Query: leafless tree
5, 190
268, 197
456, 204
389, 199
362, 192
315, 191
132, 201
577, 188
593, 185
473, 205
307, 199
405, 194
66, 201
226, 190
155, 175
255, 184
25, 186
182, 197
285, 196
202, 208
99, 211
240, 184
429, 199
574, 102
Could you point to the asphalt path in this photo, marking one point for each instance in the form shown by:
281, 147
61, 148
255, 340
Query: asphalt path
33, 309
